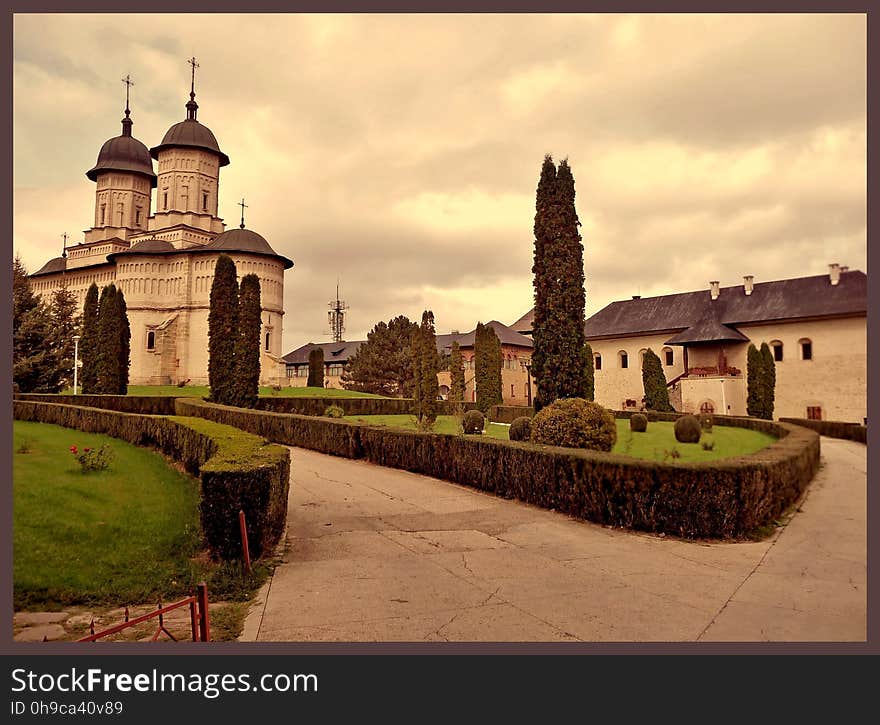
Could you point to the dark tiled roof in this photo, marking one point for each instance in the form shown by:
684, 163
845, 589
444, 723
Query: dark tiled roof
524, 323
707, 329
506, 335
123, 153
334, 352
192, 134
151, 246
244, 240
59, 264
787, 299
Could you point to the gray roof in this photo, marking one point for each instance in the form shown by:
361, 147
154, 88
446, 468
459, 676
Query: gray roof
59, 264
334, 352
190, 133
243, 240
707, 329
505, 334
123, 153
787, 299
524, 323
148, 246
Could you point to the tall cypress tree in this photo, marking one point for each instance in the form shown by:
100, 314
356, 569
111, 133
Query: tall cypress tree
124, 332
589, 373
487, 373
88, 344
316, 368
654, 382
456, 374
755, 382
558, 361
247, 354
109, 343
426, 362
223, 331
768, 378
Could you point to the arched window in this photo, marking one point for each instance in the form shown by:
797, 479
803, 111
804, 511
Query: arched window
707, 407
776, 345
623, 359
806, 346
642, 357
267, 340
597, 361
151, 340
668, 356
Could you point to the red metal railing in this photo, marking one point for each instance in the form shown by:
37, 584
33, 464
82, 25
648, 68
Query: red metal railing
200, 620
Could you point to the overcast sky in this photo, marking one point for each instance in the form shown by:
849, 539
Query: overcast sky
400, 153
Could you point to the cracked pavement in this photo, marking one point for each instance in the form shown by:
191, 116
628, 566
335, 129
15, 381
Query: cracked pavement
377, 554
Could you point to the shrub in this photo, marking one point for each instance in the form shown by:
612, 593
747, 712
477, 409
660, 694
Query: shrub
706, 422
473, 422
183, 383
672, 454
334, 411
93, 459
708, 445
688, 429
521, 429
575, 423
638, 423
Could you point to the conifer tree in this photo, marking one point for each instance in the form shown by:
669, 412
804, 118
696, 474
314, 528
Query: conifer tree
589, 373
654, 382
247, 354
88, 344
558, 361
487, 373
384, 363
768, 380
65, 322
456, 374
223, 331
316, 368
109, 343
124, 332
426, 362
34, 363
755, 382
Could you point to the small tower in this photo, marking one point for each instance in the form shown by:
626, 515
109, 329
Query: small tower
336, 317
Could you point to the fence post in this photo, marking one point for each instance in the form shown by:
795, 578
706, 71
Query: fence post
204, 616
245, 548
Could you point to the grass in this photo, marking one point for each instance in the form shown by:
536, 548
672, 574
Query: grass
201, 391
653, 445
127, 535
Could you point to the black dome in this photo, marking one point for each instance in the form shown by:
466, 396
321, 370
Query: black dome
59, 264
243, 240
123, 153
193, 134
151, 245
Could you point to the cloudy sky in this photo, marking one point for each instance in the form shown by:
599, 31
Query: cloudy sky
400, 153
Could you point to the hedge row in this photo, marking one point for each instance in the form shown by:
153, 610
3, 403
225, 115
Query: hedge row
509, 413
144, 404
351, 406
238, 471
723, 499
833, 428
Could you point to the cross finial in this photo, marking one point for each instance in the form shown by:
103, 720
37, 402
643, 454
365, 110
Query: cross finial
64, 245
243, 207
194, 64
128, 84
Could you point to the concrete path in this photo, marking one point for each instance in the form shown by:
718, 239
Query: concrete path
376, 554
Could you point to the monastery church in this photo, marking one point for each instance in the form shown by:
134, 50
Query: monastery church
162, 255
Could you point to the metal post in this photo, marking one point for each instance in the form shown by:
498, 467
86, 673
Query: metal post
528, 367
245, 549
204, 616
75, 361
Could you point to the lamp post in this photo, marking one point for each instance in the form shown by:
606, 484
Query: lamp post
75, 361
528, 367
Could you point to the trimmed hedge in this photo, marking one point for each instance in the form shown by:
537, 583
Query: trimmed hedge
833, 428
688, 429
521, 429
509, 413
721, 499
144, 404
351, 406
237, 470
473, 422
638, 423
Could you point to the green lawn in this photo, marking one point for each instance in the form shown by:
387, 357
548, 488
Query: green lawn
201, 391
121, 536
652, 444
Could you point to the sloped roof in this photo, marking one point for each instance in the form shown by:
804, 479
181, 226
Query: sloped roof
190, 133
524, 323
58, 264
787, 299
334, 352
505, 334
707, 329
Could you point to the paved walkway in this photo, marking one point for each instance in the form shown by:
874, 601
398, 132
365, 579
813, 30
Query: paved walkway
376, 554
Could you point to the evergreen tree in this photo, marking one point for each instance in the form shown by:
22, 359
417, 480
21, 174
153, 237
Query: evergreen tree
384, 363
66, 323
88, 344
426, 362
247, 354
654, 382
487, 373
589, 373
456, 374
223, 331
558, 361
755, 382
34, 362
124, 332
316, 368
109, 343
768, 378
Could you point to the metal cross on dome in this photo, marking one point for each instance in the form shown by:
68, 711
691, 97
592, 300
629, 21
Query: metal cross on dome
128, 84
243, 207
194, 64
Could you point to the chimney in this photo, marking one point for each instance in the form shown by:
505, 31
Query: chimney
714, 289
748, 283
637, 297
834, 273
844, 268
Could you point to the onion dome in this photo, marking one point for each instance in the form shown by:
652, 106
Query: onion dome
124, 153
243, 240
189, 133
59, 264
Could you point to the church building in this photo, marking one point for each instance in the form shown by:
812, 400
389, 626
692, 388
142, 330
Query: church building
162, 253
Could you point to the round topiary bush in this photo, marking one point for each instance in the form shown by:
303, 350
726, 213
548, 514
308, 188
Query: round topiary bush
706, 421
688, 429
521, 428
638, 423
575, 423
334, 411
473, 422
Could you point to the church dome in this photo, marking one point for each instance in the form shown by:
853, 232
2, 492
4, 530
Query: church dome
149, 246
59, 264
192, 134
243, 240
124, 153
